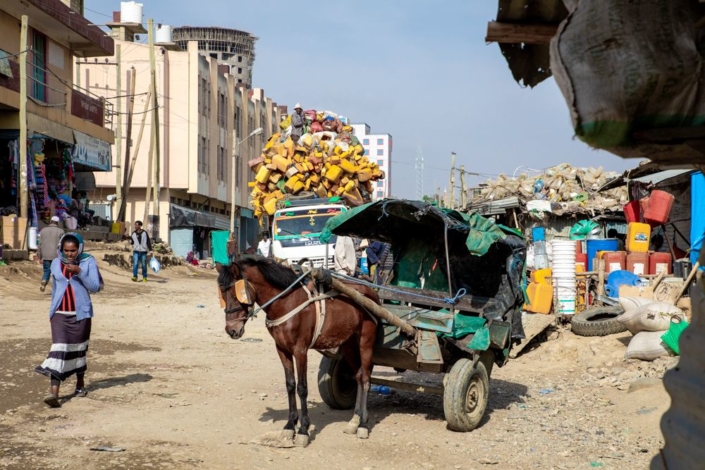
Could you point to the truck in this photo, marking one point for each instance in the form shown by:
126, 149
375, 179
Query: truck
296, 230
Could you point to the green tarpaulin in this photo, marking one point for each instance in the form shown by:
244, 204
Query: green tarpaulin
219, 246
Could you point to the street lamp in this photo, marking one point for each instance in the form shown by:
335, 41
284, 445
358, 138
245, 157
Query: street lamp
257, 131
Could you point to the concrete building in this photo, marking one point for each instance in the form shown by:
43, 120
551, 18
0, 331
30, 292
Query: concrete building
203, 112
378, 147
230, 47
68, 128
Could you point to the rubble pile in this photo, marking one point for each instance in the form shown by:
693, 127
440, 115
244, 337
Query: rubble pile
326, 161
572, 189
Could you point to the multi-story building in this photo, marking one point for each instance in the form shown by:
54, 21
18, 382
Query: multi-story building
230, 47
203, 112
66, 129
378, 147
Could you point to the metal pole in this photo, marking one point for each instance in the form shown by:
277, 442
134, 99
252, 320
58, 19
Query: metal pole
232, 190
451, 195
127, 173
463, 191
150, 165
118, 138
24, 200
156, 134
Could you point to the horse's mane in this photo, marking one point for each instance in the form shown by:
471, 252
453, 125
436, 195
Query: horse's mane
276, 274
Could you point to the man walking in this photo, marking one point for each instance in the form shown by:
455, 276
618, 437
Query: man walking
49, 238
141, 246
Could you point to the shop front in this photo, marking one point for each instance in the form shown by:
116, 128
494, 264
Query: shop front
189, 231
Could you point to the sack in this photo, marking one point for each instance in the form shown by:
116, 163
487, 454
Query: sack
654, 316
647, 346
155, 264
630, 303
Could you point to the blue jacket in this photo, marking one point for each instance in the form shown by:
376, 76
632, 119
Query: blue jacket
84, 283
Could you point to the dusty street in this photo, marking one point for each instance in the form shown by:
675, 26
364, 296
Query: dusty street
169, 387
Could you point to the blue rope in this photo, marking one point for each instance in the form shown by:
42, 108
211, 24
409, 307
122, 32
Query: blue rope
449, 300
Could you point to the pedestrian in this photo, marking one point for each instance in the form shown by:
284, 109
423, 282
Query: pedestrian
76, 276
141, 246
344, 257
297, 123
264, 245
374, 254
49, 238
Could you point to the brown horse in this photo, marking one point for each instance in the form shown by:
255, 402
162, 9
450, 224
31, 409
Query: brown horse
345, 325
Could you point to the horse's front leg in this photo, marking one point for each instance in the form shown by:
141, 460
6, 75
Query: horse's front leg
367, 341
301, 359
288, 363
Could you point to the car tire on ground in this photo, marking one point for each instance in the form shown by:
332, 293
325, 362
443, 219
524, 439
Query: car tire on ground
599, 321
337, 384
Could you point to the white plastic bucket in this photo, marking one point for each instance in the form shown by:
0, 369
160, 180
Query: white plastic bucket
564, 275
32, 238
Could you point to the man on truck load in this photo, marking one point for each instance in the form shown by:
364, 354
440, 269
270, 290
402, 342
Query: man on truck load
297, 123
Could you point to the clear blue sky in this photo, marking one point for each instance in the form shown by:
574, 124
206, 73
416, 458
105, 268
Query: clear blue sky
413, 69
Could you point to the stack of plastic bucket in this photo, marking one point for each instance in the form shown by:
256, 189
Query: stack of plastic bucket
564, 275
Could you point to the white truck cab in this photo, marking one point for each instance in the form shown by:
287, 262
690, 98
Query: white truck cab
296, 230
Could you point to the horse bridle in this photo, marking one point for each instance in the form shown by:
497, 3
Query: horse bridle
238, 286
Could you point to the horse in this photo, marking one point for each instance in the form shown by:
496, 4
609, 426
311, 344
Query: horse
295, 324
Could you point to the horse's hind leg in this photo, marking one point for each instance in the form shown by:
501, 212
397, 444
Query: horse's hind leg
367, 340
287, 362
302, 387
350, 352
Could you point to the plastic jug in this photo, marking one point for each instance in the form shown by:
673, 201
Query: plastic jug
364, 267
638, 263
659, 207
638, 237
659, 262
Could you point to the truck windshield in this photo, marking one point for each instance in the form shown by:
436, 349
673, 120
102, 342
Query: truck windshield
302, 222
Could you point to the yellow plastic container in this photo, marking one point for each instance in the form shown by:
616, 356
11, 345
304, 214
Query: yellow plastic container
638, 236
540, 298
539, 276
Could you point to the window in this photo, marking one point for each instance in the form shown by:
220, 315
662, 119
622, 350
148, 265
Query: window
365, 141
367, 151
202, 155
380, 152
38, 66
222, 164
237, 123
239, 80
239, 70
239, 58
380, 193
237, 170
380, 162
380, 141
380, 184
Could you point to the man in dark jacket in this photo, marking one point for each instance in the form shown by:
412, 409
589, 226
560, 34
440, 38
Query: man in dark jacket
375, 250
141, 246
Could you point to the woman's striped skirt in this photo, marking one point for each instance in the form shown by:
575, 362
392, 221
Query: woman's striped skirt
69, 339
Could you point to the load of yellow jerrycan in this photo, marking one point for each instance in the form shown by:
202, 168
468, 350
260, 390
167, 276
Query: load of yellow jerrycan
540, 292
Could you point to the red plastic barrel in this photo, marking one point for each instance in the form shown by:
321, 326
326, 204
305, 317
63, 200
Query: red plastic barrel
632, 211
659, 207
638, 263
660, 261
615, 260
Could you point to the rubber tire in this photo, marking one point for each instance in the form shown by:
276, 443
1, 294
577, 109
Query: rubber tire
461, 378
599, 321
336, 384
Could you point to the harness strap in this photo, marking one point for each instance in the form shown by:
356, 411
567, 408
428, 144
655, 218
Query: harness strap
320, 315
293, 313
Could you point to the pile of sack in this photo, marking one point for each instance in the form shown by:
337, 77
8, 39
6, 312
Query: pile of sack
574, 189
656, 327
326, 161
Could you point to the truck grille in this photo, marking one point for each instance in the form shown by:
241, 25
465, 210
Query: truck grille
316, 262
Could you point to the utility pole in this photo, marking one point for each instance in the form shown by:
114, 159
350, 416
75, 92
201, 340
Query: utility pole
155, 133
419, 173
463, 193
118, 136
151, 166
136, 152
451, 194
24, 200
128, 145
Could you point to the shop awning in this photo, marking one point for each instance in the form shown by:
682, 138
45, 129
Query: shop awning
184, 217
92, 152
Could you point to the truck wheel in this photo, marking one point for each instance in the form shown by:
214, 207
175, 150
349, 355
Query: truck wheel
337, 384
465, 395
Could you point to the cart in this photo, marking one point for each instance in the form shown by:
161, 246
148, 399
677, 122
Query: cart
459, 321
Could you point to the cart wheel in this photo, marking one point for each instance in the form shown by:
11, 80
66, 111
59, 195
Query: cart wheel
465, 395
337, 384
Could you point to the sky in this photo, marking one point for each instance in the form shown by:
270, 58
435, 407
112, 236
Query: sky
421, 73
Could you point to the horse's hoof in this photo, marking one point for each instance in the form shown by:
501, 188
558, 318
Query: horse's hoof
301, 440
287, 435
363, 433
351, 428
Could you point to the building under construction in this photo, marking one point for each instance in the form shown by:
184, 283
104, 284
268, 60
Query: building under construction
230, 47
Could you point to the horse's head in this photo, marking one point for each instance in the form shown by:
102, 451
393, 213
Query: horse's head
237, 296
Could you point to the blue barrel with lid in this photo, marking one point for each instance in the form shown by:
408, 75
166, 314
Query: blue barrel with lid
603, 244
538, 234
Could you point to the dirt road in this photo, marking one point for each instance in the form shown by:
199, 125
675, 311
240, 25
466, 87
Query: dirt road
170, 388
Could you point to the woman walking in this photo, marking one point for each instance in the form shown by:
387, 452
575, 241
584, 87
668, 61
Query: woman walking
75, 277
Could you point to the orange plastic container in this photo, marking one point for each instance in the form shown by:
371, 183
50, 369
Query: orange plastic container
540, 298
540, 275
638, 263
659, 262
638, 237
614, 260
659, 207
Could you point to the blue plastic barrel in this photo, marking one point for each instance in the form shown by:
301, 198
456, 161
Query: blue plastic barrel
538, 234
604, 244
